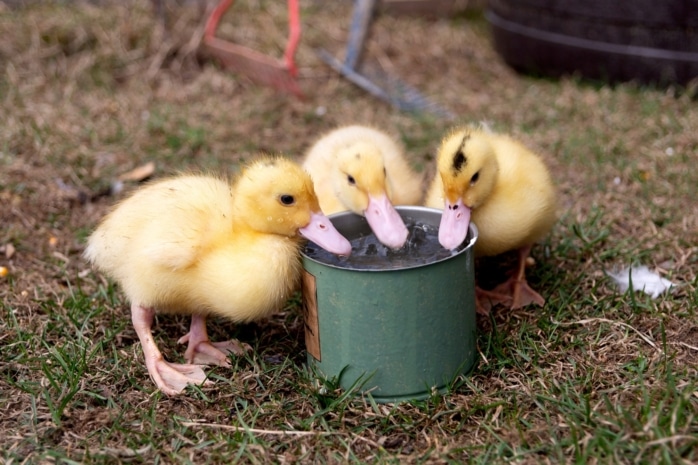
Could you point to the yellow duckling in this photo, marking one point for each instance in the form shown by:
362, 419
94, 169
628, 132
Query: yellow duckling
502, 187
363, 170
198, 245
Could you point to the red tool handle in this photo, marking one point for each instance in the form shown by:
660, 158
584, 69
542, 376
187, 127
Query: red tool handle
294, 35
214, 19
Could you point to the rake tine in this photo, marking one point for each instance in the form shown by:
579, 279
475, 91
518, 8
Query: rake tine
353, 76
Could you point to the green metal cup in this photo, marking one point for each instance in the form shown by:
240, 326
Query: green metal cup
400, 334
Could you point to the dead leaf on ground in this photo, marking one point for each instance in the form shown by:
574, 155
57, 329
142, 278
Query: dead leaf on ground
8, 249
141, 173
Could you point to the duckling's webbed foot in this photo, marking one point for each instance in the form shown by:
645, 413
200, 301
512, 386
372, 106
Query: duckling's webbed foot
524, 295
517, 287
201, 350
520, 294
485, 300
170, 378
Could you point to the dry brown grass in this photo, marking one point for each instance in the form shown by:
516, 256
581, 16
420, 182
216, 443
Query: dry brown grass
89, 92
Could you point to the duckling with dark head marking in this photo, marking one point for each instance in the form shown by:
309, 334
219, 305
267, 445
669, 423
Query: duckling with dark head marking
505, 189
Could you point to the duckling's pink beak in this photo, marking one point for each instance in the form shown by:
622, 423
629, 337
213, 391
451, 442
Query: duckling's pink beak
386, 222
321, 231
455, 220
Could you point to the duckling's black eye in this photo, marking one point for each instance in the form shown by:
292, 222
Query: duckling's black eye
475, 177
351, 179
287, 199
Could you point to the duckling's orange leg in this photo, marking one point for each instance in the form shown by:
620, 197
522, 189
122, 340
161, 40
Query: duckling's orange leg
521, 292
201, 350
170, 378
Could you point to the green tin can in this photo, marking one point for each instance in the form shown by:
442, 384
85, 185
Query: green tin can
400, 334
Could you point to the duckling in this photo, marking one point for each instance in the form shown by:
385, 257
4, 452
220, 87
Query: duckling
362, 169
506, 190
197, 245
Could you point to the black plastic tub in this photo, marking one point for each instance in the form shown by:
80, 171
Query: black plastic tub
648, 41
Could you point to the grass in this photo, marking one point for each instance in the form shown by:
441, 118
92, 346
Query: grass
88, 93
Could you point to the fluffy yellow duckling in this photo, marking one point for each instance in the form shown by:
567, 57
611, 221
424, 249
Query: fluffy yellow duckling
502, 187
363, 170
198, 245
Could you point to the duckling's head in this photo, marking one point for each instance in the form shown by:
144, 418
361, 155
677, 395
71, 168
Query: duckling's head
360, 182
276, 196
468, 168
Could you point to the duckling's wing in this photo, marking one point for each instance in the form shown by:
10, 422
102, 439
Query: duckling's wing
192, 231
187, 214
175, 248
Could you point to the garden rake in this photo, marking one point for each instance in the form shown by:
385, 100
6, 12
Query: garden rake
379, 84
263, 69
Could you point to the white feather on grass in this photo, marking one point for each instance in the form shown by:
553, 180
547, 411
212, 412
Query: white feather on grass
643, 280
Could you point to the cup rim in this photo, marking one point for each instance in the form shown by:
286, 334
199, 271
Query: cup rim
403, 210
